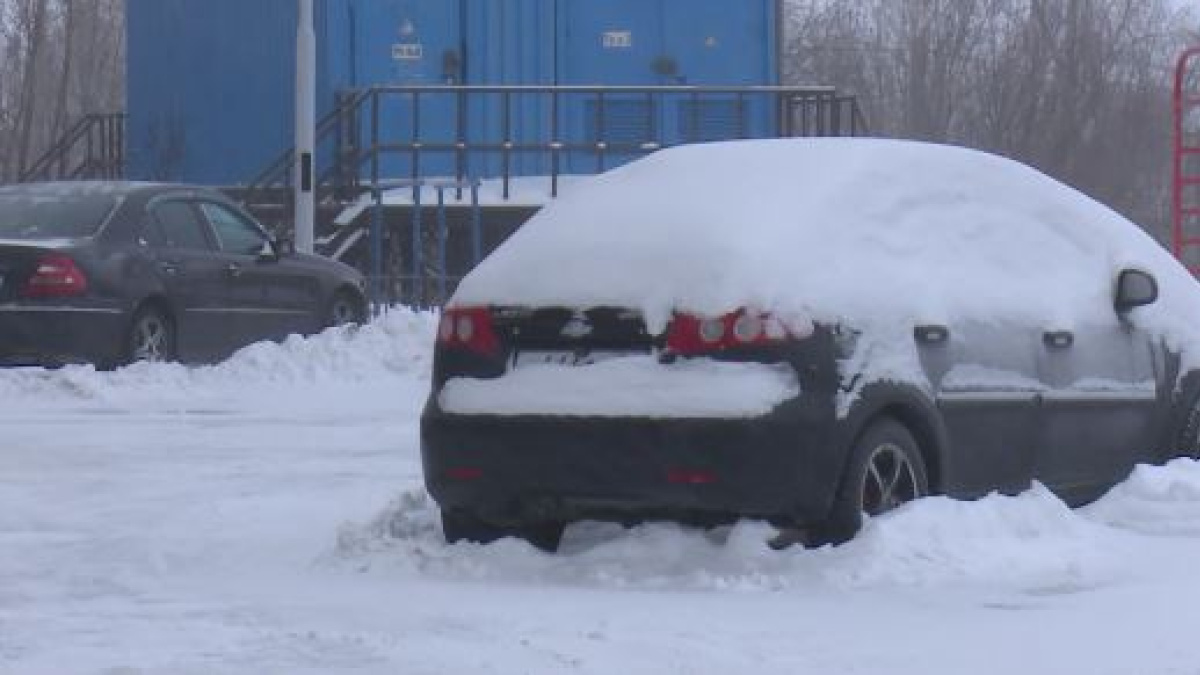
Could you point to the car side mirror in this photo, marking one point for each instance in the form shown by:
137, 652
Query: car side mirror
1135, 288
270, 251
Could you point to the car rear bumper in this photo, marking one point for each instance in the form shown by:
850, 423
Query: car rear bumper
48, 335
525, 468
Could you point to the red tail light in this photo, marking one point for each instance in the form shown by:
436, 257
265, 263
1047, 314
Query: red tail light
469, 328
690, 334
691, 477
464, 473
56, 276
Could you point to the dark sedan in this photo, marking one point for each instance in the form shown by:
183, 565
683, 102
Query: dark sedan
113, 272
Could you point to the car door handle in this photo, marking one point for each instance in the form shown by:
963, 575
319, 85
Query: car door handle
170, 268
1058, 339
931, 335
233, 270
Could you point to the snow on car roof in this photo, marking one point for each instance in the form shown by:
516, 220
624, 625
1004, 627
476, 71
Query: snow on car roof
855, 230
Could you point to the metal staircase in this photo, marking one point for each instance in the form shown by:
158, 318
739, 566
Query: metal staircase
92, 148
361, 143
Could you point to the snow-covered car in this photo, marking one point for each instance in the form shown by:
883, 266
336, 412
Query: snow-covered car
805, 331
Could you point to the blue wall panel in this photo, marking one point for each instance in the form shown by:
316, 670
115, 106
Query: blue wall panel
665, 42
211, 82
412, 42
612, 42
510, 42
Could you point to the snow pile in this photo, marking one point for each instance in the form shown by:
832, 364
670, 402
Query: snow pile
348, 361
861, 229
1031, 540
634, 386
1157, 500
1032, 543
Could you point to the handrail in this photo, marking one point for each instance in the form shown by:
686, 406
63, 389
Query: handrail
358, 114
282, 165
103, 155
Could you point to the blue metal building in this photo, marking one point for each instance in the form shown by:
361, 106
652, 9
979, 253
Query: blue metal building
210, 82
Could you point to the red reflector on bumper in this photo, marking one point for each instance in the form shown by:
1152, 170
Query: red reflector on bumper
464, 473
690, 477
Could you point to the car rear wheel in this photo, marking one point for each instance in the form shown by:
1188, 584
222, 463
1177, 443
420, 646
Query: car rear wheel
151, 337
885, 471
463, 526
345, 309
1189, 439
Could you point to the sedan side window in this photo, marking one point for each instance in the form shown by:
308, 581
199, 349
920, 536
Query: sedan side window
235, 234
177, 225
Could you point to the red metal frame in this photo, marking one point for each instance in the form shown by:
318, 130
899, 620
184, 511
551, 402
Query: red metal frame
1184, 103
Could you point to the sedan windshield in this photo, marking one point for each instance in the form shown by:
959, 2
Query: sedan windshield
53, 216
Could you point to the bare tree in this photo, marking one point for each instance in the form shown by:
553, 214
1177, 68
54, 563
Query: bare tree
61, 59
32, 26
1078, 88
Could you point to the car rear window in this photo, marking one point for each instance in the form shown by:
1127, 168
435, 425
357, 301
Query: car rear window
58, 216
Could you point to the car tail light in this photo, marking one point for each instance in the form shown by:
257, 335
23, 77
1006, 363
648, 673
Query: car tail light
55, 276
689, 334
469, 328
464, 473
691, 477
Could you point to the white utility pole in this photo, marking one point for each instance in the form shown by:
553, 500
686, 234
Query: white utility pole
306, 122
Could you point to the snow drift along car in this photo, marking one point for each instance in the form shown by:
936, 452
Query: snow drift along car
805, 331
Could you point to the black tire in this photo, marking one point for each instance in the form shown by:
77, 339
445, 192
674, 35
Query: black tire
1188, 443
151, 337
345, 309
885, 470
462, 526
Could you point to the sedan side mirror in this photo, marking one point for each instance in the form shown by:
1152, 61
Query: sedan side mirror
1135, 288
269, 252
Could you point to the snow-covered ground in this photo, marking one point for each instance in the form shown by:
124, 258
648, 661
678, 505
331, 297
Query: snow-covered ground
267, 516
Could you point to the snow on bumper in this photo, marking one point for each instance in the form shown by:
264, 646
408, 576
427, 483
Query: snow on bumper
638, 386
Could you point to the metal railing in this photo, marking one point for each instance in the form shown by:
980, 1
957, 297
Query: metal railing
385, 132
427, 281
92, 148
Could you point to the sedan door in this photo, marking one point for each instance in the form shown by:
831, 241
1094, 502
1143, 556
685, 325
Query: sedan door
1098, 415
985, 378
193, 275
273, 299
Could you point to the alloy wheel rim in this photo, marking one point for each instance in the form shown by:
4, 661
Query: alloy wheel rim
150, 340
890, 480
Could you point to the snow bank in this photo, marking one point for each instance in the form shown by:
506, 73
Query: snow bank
1031, 543
356, 362
862, 229
1032, 540
1157, 500
637, 386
